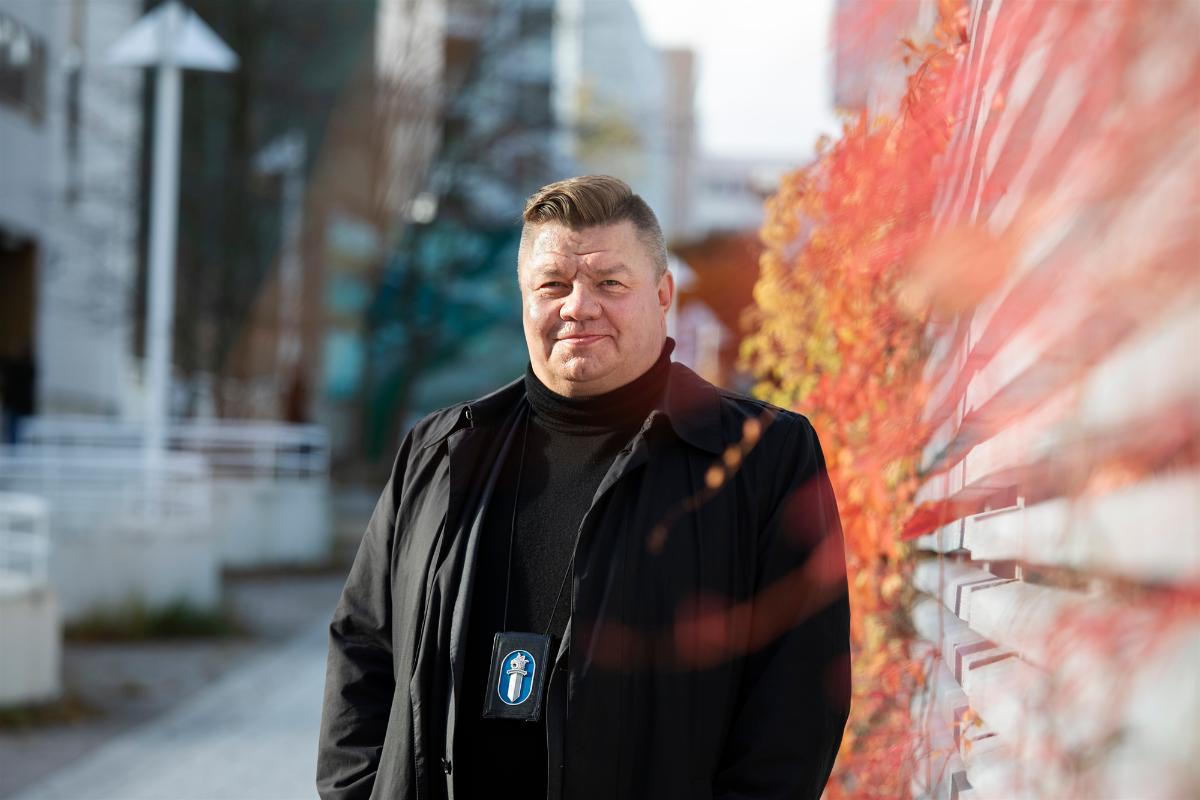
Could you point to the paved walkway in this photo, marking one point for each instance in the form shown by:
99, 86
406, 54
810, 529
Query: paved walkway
250, 736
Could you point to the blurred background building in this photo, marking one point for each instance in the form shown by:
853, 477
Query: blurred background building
70, 130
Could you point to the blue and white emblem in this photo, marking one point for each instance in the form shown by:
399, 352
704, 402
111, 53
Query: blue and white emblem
516, 677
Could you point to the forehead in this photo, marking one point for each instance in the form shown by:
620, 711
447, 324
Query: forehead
555, 247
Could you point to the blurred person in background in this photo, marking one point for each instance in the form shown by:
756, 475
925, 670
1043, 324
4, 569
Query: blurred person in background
606, 579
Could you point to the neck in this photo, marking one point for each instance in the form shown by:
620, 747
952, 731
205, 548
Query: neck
626, 406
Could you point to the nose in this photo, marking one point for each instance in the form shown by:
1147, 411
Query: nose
580, 304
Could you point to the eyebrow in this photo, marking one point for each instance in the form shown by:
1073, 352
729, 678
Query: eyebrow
547, 272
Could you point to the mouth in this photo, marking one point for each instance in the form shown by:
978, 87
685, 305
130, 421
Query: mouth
582, 340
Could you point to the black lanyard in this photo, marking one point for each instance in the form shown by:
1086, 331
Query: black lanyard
512, 528
520, 662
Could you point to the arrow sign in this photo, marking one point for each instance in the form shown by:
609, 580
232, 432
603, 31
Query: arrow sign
172, 35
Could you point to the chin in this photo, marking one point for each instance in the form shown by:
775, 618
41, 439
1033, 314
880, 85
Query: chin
583, 369
579, 369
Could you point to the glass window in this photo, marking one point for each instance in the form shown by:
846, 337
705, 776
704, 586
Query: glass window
22, 68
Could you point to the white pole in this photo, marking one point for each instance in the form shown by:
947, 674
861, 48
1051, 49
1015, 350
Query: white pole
169, 38
164, 203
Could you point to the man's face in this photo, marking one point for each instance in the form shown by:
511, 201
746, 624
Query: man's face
594, 314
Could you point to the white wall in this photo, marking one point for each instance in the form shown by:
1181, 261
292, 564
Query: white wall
80, 209
88, 266
1063, 412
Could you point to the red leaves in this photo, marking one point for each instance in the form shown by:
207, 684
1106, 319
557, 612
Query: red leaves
844, 291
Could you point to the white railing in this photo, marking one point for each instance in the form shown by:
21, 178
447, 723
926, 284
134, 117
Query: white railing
24, 537
232, 448
90, 488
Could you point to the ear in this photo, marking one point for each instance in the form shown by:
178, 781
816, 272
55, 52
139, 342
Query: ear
666, 290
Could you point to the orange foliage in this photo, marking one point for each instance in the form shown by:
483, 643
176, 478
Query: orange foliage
852, 273
837, 335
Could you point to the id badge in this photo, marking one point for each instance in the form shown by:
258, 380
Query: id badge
517, 677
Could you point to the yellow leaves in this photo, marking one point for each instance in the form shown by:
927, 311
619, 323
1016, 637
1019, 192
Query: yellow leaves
876, 634
891, 586
966, 721
860, 581
805, 387
847, 334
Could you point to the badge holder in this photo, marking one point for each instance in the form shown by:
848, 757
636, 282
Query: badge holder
517, 678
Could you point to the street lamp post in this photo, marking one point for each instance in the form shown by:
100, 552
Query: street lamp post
286, 157
170, 39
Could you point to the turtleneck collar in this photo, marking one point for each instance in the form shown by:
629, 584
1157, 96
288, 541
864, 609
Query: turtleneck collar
625, 406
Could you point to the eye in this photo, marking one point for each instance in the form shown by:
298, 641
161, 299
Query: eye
611, 282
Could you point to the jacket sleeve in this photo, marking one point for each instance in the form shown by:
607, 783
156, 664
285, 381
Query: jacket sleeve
359, 680
795, 691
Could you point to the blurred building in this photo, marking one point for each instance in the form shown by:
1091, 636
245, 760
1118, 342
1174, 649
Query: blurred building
723, 268
726, 209
625, 107
428, 312
730, 192
679, 109
300, 74
69, 144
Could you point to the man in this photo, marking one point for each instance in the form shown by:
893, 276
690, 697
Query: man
607, 579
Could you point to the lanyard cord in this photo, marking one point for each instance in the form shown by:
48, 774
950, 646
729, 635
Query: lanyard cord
557, 597
512, 528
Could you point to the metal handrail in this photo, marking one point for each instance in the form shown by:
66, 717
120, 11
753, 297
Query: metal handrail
84, 486
232, 447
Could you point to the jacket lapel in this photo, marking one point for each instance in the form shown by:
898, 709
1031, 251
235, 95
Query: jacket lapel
475, 456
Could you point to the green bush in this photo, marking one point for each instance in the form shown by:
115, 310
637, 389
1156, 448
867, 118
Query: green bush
133, 620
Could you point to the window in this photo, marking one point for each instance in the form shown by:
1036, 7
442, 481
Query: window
22, 68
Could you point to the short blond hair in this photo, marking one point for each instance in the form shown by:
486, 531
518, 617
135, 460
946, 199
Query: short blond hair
591, 200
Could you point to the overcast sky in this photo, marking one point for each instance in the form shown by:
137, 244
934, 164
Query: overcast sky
763, 84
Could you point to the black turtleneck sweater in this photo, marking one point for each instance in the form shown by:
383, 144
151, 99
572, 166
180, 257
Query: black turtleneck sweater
572, 441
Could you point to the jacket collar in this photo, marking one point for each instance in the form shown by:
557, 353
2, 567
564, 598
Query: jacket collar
693, 407
690, 404
486, 410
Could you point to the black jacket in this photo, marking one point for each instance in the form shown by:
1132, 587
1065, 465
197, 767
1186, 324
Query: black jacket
707, 654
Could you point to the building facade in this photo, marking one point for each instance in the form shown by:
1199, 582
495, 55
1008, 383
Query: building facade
70, 129
615, 103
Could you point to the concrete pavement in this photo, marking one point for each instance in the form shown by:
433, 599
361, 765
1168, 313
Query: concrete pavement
250, 736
